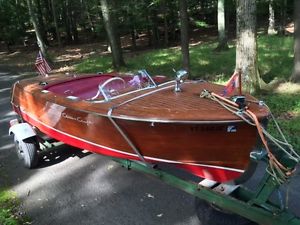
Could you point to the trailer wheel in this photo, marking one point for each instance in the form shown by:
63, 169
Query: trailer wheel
27, 152
209, 214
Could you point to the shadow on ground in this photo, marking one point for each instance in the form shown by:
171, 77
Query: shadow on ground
59, 154
74, 187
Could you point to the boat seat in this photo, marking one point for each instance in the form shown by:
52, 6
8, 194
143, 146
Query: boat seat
87, 87
83, 88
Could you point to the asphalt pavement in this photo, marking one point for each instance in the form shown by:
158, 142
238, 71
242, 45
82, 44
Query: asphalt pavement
79, 188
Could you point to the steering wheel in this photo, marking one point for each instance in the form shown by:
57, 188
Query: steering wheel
105, 92
101, 86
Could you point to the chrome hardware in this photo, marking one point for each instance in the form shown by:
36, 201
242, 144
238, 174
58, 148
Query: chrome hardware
106, 92
144, 73
43, 83
181, 76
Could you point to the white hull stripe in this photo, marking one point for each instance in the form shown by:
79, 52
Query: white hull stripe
130, 154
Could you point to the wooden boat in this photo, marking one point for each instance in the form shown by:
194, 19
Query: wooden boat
141, 118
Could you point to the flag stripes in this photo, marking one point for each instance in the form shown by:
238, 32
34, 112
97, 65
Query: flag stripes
41, 65
232, 84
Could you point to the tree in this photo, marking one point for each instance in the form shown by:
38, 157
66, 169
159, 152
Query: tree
70, 13
184, 36
296, 71
221, 26
283, 9
38, 34
38, 11
114, 39
155, 37
271, 28
13, 16
55, 23
166, 30
246, 46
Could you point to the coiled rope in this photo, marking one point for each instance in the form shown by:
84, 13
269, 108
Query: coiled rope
280, 172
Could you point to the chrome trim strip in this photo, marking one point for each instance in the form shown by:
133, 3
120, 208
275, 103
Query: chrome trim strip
154, 120
150, 120
141, 96
130, 92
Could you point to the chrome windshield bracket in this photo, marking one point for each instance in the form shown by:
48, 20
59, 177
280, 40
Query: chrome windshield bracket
181, 76
144, 73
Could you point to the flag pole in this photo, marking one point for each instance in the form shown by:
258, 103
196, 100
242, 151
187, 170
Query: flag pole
240, 81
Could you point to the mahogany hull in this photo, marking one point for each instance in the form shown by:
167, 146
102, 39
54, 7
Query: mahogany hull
217, 150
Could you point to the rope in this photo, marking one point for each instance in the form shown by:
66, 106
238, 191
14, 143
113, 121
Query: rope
276, 169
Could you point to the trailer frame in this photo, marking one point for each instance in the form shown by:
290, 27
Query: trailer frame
254, 205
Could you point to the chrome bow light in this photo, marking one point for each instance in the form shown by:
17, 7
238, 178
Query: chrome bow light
181, 76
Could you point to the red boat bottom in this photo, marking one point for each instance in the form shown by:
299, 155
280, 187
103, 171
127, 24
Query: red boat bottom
216, 174
219, 174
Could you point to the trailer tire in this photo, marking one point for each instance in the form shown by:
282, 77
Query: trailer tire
27, 152
209, 214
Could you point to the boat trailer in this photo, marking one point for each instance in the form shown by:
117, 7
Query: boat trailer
254, 205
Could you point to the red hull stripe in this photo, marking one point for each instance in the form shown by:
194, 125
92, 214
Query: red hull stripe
220, 174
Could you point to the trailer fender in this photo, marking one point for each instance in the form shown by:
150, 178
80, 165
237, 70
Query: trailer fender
22, 131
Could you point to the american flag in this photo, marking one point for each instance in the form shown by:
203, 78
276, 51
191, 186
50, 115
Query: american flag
232, 84
41, 65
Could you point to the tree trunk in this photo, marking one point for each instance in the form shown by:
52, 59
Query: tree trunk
133, 36
221, 26
66, 16
21, 22
48, 14
74, 26
246, 46
154, 28
271, 28
149, 35
40, 21
148, 22
296, 72
38, 34
114, 39
55, 23
283, 17
173, 21
184, 35
166, 30
88, 14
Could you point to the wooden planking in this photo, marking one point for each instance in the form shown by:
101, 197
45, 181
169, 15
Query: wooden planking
192, 143
186, 105
163, 105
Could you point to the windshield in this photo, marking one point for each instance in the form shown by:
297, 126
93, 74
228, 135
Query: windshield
118, 85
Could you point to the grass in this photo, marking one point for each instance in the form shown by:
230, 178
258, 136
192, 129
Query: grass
9, 205
9, 209
275, 59
164, 60
286, 108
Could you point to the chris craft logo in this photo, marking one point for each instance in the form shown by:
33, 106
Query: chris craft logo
78, 119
